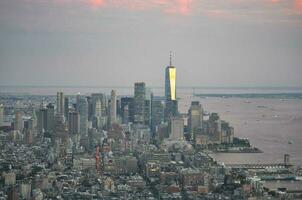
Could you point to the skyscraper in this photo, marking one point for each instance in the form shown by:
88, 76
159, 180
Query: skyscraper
28, 136
98, 121
128, 101
112, 107
98, 108
83, 111
60, 129
147, 112
66, 107
78, 97
50, 113
73, 122
157, 112
195, 118
215, 128
90, 107
98, 97
1, 115
42, 120
18, 123
126, 114
139, 102
60, 103
148, 105
170, 91
176, 128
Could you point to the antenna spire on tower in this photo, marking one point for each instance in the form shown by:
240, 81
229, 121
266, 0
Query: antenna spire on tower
170, 58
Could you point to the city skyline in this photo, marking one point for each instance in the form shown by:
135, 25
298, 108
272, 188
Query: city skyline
92, 106
142, 147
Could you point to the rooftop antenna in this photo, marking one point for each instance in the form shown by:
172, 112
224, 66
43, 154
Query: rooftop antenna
170, 58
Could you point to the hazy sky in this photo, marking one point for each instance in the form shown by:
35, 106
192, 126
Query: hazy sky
118, 42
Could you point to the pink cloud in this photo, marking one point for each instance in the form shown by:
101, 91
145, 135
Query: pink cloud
97, 3
182, 7
275, 1
298, 5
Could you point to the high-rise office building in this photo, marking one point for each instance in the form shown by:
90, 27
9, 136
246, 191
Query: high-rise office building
66, 107
147, 112
78, 97
98, 97
127, 101
148, 105
157, 112
90, 108
45, 121
60, 103
195, 118
98, 108
83, 111
139, 102
118, 108
170, 92
73, 122
34, 120
176, 128
214, 128
112, 118
28, 136
60, 128
42, 120
18, 123
1, 115
50, 113
227, 133
126, 114
98, 121
29, 124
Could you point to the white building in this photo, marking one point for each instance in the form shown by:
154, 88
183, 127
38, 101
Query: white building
177, 128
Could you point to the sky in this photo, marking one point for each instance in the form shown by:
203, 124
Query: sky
214, 43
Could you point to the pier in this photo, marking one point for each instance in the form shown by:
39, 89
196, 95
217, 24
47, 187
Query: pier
259, 166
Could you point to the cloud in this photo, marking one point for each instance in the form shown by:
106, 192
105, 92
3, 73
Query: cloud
182, 7
97, 3
298, 5
275, 1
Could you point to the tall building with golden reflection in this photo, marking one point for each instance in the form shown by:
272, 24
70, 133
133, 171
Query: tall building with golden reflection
170, 91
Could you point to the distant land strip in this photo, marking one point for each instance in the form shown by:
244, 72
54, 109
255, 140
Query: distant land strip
256, 95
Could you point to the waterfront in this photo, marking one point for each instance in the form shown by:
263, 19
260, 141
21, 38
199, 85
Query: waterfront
272, 125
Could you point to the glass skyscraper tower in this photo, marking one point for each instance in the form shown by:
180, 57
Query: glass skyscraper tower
170, 91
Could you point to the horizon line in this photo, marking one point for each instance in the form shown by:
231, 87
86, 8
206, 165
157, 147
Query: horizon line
155, 87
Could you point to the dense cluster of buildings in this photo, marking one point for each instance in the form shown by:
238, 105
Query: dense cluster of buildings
106, 146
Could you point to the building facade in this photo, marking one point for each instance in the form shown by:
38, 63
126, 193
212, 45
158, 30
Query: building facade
195, 118
83, 111
177, 128
112, 118
73, 122
170, 92
139, 102
60, 103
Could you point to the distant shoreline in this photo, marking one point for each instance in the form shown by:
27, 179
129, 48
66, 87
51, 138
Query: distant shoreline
291, 95
158, 87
